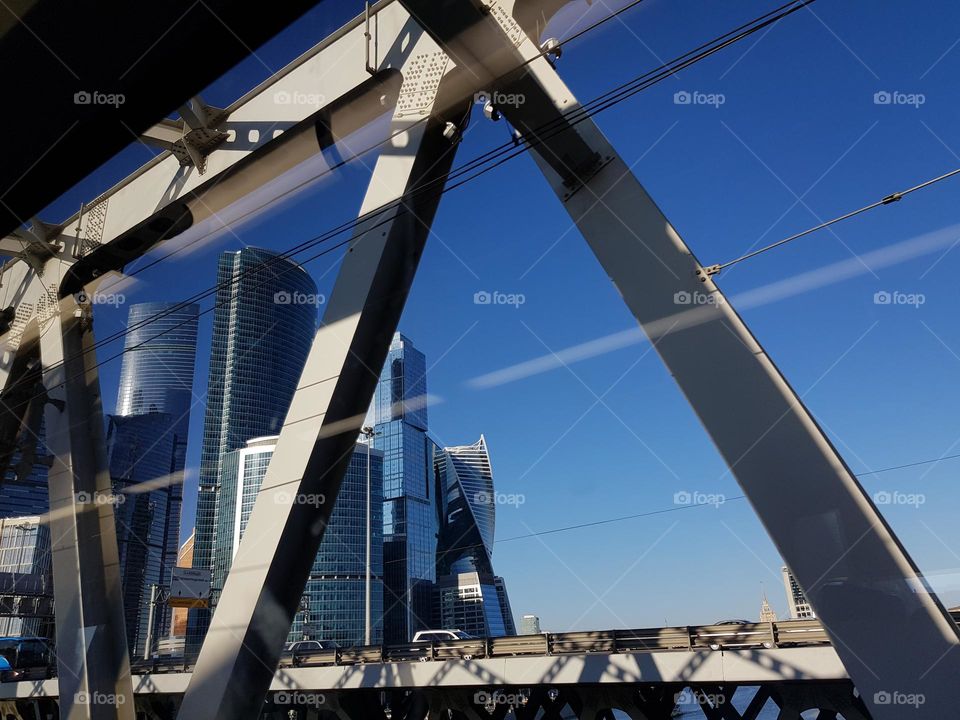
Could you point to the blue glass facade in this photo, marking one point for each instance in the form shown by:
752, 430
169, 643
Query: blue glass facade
25, 482
262, 332
332, 607
409, 482
142, 449
25, 548
147, 442
468, 597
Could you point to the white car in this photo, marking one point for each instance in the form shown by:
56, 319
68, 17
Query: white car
425, 636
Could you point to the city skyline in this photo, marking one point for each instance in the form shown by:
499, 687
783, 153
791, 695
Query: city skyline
860, 348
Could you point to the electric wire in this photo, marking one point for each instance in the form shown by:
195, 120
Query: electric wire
609, 99
888, 200
582, 113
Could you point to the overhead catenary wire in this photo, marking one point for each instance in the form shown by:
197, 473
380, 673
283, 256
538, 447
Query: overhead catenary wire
441, 185
888, 200
677, 508
610, 98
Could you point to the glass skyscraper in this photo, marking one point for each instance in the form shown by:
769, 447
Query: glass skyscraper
332, 606
409, 488
25, 555
264, 323
469, 596
142, 455
146, 446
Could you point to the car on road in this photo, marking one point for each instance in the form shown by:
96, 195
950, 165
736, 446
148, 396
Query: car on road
425, 636
302, 648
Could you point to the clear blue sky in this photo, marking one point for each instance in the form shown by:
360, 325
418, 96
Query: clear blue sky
798, 120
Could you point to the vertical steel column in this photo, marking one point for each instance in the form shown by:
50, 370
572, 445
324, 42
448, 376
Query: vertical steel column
93, 667
853, 568
271, 567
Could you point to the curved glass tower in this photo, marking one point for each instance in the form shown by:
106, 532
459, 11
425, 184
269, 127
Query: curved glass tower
468, 515
157, 372
264, 323
468, 596
147, 442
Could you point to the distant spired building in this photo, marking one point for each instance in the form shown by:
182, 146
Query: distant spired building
800, 608
333, 602
146, 447
468, 595
767, 613
409, 491
264, 323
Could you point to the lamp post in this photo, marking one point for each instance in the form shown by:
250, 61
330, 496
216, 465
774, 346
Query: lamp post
368, 433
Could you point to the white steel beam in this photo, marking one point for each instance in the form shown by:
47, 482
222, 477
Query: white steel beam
272, 564
851, 565
92, 661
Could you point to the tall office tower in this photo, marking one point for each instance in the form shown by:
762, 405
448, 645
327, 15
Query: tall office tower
409, 515
146, 445
333, 603
141, 449
800, 608
469, 596
264, 323
26, 578
25, 480
530, 625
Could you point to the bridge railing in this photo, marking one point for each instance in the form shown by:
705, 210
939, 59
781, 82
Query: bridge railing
642, 640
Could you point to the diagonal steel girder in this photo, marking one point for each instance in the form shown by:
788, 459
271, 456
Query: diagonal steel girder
92, 662
853, 568
272, 564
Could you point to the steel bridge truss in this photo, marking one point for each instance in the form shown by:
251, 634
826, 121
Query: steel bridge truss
421, 61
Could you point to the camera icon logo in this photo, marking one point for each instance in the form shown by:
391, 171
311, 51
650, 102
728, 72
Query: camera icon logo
882, 97
482, 297
682, 97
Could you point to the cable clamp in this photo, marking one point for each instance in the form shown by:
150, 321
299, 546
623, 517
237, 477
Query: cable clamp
892, 198
704, 272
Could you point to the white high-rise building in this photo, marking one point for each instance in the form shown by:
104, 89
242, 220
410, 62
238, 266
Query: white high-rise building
800, 608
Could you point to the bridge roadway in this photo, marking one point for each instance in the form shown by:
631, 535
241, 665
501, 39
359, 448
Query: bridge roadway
642, 672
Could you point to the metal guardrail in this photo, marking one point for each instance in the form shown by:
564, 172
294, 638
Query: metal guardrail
789, 633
